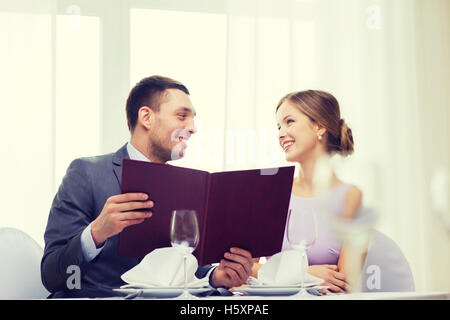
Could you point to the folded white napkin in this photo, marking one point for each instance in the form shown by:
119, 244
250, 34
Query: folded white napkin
164, 267
284, 268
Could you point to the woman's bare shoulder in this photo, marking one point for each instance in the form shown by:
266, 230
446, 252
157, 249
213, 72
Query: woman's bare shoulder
352, 202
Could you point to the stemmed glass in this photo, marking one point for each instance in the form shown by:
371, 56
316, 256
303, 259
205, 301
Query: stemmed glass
184, 235
301, 235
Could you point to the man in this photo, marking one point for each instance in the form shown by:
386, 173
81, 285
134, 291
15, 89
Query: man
88, 211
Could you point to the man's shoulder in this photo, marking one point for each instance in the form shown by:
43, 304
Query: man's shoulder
93, 169
100, 160
93, 161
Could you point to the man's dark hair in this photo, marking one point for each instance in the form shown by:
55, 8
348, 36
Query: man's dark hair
148, 92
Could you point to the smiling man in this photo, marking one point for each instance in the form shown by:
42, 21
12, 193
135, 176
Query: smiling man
163, 124
88, 211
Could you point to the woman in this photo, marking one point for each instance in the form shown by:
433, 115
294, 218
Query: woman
310, 126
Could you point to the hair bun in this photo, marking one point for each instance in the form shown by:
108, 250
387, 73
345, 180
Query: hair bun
347, 143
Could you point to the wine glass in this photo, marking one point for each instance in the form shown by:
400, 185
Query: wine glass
184, 235
301, 235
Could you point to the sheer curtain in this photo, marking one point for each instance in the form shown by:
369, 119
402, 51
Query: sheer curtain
26, 116
67, 68
50, 104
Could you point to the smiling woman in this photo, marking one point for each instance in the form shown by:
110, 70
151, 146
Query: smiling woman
320, 108
310, 127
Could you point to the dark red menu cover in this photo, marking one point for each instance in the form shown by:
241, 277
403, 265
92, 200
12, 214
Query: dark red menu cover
245, 209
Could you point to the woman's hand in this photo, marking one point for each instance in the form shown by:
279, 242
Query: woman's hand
256, 267
331, 276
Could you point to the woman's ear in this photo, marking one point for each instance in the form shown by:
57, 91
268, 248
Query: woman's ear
320, 130
145, 116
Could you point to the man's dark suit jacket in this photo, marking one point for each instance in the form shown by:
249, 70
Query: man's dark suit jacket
88, 183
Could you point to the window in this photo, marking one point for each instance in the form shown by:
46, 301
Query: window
189, 47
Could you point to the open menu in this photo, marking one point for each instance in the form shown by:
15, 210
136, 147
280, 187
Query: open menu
246, 209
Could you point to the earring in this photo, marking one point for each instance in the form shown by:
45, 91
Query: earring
320, 138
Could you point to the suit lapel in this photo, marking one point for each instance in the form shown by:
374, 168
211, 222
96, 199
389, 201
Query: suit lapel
117, 162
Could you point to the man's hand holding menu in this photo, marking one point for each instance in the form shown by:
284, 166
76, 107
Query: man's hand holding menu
118, 213
234, 270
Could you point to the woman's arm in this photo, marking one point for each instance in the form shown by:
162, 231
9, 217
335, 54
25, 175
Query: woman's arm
352, 203
336, 276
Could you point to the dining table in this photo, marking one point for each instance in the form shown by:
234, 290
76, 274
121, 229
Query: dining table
224, 304
243, 293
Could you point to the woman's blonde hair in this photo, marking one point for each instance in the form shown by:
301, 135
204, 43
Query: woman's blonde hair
323, 108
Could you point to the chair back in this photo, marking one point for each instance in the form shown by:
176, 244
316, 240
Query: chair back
386, 268
20, 263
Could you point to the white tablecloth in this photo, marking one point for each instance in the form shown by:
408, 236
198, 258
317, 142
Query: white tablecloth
352, 296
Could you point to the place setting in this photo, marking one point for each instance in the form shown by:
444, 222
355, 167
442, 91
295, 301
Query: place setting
285, 273
279, 276
169, 272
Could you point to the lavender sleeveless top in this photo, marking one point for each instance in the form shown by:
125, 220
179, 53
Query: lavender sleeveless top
327, 246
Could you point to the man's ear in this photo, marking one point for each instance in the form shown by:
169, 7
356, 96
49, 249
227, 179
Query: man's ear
145, 117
